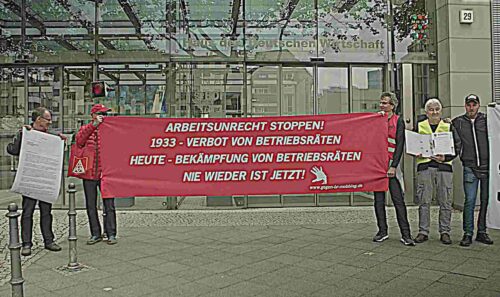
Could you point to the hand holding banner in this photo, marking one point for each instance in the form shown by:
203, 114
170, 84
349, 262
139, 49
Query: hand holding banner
244, 156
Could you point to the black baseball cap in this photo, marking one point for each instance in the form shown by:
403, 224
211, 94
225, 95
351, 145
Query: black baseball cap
472, 98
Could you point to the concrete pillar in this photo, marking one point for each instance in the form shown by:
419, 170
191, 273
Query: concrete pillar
464, 55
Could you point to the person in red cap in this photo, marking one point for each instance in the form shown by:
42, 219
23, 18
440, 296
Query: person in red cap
87, 138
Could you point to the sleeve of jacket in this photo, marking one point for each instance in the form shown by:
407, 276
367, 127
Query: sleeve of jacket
84, 133
454, 132
400, 143
457, 140
14, 148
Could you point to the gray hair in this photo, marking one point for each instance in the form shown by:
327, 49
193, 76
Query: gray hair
394, 100
433, 101
38, 112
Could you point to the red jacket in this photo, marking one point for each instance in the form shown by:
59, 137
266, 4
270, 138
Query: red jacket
87, 138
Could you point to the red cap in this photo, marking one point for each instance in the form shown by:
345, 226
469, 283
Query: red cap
99, 108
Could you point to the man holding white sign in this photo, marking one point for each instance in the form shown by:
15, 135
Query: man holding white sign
37, 161
435, 170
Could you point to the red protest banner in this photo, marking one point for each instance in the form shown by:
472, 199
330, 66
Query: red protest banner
244, 156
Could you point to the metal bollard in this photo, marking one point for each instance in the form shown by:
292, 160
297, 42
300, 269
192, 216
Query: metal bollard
73, 262
16, 272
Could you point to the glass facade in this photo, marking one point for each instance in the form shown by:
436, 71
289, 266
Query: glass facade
209, 58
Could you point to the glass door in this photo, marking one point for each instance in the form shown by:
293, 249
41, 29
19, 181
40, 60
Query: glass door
264, 93
367, 86
277, 90
333, 98
12, 116
347, 90
297, 98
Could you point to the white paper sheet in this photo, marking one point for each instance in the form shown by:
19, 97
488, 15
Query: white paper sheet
418, 144
442, 143
40, 166
428, 145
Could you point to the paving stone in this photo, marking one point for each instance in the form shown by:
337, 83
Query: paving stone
476, 268
219, 280
438, 265
483, 293
428, 274
359, 285
461, 280
336, 292
441, 289
302, 287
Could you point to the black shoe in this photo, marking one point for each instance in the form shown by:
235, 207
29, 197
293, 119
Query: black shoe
466, 240
484, 238
445, 238
54, 247
94, 240
421, 238
112, 240
381, 236
26, 250
406, 240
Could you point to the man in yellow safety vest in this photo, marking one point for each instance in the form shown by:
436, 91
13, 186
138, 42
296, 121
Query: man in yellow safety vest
435, 171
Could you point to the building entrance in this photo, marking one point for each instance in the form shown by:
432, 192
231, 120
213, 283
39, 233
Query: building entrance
195, 90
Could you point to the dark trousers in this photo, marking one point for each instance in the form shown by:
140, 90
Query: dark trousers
27, 221
90, 189
399, 203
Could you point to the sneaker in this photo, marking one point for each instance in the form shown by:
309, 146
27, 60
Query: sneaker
484, 238
94, 240
407, 241
466, 240
26, 250
445, 238
421, 238
380, 236
54, 247
112, 240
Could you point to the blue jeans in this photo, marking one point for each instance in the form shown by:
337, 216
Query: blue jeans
471, 183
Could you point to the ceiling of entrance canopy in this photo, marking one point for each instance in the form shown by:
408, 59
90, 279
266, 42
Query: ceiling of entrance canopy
57, 26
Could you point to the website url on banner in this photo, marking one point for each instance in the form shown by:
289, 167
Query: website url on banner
335, 187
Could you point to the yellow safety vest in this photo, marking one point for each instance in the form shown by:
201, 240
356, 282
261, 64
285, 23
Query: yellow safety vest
425, 128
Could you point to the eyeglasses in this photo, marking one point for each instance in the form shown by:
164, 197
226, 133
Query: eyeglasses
48, 120
102, 113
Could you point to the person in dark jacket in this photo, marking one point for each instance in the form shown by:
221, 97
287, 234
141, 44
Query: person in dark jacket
472, 145
88, 139
41, 120
396, 141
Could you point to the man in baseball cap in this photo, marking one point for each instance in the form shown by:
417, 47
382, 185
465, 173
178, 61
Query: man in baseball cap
472, 98
87, 139
99, 108
472, 143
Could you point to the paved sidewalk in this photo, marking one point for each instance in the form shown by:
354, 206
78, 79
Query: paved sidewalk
260, 252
